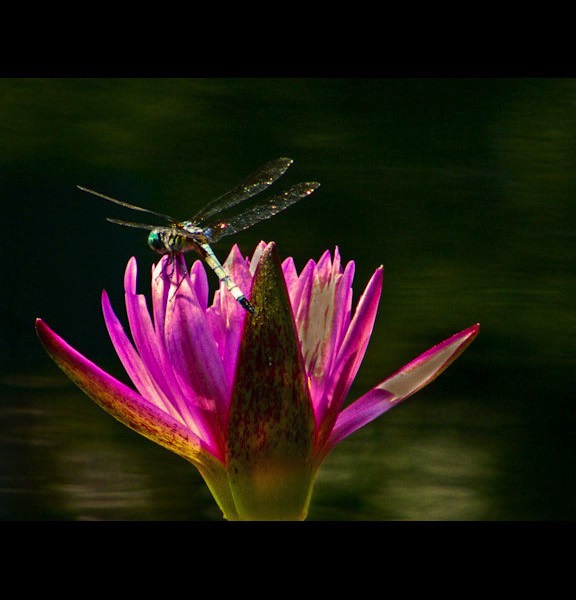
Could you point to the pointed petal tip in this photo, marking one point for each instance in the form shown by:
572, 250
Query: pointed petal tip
406, 381
123, 403
453, 347
43, 331
269, 252
270, 247
46, 336
39, 325
52, 343
470, 333
271, 417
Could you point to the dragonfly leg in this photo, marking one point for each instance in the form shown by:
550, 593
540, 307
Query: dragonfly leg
168, 269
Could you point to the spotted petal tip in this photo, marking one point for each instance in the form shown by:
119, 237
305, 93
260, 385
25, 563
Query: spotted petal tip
271, 423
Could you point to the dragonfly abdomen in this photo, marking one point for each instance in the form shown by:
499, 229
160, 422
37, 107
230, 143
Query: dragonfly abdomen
211, 260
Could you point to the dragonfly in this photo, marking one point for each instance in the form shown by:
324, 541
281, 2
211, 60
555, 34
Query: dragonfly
223, 216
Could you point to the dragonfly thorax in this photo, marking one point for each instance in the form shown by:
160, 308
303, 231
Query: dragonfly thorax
169, 240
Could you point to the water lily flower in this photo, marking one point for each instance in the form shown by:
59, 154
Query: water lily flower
255, 402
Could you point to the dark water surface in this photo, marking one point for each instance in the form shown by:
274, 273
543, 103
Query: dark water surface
465, 191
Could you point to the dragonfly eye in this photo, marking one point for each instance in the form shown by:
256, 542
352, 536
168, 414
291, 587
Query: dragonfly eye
155, 242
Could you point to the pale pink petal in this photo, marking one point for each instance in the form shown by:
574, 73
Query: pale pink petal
351, 353
337, 320
405, 382
256, 256
320, 323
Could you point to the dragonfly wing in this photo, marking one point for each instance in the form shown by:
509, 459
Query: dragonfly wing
252, 185
126, 205
264, 209
139, 225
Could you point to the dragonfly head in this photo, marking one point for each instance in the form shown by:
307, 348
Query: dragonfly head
156, 242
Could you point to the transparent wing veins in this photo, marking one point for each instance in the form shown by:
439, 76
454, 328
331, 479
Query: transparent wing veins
264, 209
261, 179
233, 223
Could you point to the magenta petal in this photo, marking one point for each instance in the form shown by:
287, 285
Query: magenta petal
131, 360
300, 291
141, 325
226, 316
196, 364
157, 387
290, 275
344, 300
336, 328
199, 282
123, 403
153, 356
405, 382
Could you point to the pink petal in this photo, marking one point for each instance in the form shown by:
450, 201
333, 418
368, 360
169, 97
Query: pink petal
140, 323
124, 404
290, 274
199, 281
226, 316
195, 360
405, 382
132, 361
300, 292
154, 358
344, 300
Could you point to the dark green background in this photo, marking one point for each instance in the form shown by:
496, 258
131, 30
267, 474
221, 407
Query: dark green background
463, 188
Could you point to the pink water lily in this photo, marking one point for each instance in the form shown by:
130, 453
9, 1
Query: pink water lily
255, 402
